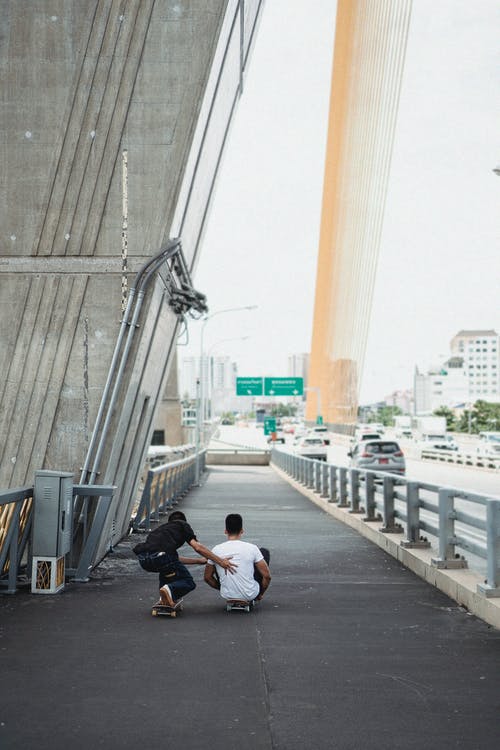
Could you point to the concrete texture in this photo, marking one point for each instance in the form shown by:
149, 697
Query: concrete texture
349, 649
113, 121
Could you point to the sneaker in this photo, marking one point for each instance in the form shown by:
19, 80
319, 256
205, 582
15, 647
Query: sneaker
166, 596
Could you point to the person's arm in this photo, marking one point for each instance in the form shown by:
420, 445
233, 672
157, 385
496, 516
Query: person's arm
210, 577
193, 560
263, 569
224, 562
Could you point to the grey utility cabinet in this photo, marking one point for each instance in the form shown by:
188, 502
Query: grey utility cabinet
52, 521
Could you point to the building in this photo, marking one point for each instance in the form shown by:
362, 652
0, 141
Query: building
480, 352
468, 375
218, 384
298, 367
402, 399
444, 386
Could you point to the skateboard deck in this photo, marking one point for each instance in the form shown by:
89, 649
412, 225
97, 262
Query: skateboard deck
164, 610
239, 605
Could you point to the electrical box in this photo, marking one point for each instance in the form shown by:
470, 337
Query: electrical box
53, 514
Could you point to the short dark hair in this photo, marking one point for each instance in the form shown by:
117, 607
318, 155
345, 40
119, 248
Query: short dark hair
234, 523
177, 515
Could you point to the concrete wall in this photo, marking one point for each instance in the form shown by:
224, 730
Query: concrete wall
91, 87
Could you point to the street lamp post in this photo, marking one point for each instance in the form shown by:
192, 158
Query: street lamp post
200, 417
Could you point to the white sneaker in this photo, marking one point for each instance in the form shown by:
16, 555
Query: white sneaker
166, 596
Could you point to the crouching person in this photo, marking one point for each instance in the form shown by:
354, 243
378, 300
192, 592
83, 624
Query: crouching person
158, 554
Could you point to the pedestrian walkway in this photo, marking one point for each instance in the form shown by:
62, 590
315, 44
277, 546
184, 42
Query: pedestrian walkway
348, 649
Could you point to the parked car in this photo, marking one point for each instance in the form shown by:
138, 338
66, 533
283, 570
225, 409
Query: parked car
378, 455
310, 446
320, 430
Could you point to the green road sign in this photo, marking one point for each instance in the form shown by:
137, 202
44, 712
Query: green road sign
269, 425
249, 386
319, 419
283, 386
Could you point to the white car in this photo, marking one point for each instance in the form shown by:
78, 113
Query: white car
310, 447
320, 430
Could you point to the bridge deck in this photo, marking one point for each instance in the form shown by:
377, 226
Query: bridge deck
347, 650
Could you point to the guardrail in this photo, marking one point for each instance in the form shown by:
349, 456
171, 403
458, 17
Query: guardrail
462, 522
466, 459
165, 485
16, 518
15, 527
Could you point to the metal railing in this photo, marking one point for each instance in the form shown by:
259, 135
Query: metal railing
15, 526
16, 518
466, 458
462, 522
165, 485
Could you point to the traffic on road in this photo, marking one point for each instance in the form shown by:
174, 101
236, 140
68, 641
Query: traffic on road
480, 479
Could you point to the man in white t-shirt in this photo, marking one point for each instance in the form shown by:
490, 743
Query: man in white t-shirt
251, 577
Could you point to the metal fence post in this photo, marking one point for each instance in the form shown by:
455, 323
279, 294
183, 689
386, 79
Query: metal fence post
317, 476
390, 525
302, 471
310, 474
491, 586
370, 506
354, 483
343, 487
447, 557
324, 480
413, 539
332, 484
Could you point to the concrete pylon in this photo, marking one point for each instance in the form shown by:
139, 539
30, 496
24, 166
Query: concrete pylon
116, 116
370, 48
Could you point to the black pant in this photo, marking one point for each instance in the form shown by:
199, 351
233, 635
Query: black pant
258, 576
171, 572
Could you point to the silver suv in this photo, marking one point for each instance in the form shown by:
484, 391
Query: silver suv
378, 455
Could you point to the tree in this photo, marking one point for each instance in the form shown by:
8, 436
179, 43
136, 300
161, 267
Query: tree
483, 417
384, 414
445, 411
283, 410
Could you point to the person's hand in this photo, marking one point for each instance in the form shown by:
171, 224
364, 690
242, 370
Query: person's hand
202, 561
228, 565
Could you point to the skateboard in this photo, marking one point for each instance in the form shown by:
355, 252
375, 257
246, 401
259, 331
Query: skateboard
164, 610
239, 605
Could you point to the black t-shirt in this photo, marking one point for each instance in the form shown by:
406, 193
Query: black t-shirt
167, 538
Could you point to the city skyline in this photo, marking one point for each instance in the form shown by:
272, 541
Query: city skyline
261, 244
449, 379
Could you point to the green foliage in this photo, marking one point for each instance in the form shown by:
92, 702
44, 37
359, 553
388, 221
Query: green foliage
384, 414
227, 417
445, 411
483, 416
283, 410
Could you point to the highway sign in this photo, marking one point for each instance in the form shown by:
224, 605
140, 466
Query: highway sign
249, 386
283, 386
269, 425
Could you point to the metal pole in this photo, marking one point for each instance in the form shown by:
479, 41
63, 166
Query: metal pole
197, 433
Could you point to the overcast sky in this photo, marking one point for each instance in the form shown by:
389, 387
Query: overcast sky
439, 267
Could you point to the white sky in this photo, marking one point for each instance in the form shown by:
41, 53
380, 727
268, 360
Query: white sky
439, 267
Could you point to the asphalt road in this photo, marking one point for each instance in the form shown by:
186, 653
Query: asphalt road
348, 650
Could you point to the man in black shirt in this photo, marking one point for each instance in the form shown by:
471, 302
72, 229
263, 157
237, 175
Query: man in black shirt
158, 554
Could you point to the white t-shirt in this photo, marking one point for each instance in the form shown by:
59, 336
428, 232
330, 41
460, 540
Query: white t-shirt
241, 584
